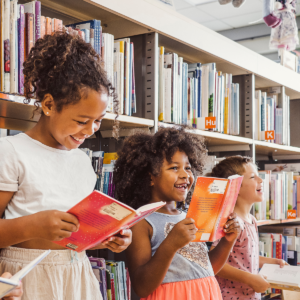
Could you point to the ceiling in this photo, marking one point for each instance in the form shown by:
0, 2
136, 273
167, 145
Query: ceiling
222, 17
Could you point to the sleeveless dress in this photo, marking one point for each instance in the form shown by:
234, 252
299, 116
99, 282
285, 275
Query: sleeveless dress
190, 275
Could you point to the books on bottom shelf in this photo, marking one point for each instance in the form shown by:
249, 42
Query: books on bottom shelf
281, 192
272, 112
113, 277
188, 93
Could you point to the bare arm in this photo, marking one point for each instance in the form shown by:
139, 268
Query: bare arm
16, 230
49, 225
147, 272
218, 255
272, 261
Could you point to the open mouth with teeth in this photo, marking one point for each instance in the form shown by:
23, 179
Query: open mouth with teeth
77, 140
182, 187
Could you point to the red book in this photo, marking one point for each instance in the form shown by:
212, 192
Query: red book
100, 217
278, 249
112, 282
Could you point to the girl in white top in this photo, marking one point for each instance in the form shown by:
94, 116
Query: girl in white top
43, 174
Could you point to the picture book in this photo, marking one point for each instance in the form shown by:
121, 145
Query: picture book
286, 278
212, 202
100, 217
7, 285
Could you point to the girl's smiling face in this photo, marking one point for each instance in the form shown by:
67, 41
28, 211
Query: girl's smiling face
175, 179
252, 186
74, 123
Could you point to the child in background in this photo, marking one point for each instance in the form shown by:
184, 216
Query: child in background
43, 174
15, 294
163, 263
239, 278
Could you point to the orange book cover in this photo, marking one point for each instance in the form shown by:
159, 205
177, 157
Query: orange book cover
43, 26
48, 25
57, 24
212, 202
100, 217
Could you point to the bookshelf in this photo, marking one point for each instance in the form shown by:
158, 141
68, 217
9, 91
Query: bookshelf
274, 222
150, 24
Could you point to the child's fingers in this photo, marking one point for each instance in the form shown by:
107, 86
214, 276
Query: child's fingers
119, 241
232, 215
188, 221
232, 223
233, 228
126, 232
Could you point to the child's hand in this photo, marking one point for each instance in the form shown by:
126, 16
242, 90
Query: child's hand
182, 233
15, 294
259, 283
120, 242
232, 228
54, 225
281, 263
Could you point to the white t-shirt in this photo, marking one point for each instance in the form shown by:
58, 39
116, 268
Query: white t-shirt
43, 178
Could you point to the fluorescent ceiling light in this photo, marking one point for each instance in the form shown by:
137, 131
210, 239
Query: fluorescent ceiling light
200, 2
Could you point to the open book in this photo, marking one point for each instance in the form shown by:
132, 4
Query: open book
212, 202
100, 217
7, 285
286, 278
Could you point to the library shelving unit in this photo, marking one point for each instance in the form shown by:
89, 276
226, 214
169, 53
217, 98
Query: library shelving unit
151, 24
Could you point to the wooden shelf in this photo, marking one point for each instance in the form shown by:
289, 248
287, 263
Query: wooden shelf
18, 116
273, 222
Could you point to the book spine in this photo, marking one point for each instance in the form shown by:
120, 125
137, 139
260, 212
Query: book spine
21, 49
6, 39
43, 26
48, 25
37, 20
12, 48
29, 32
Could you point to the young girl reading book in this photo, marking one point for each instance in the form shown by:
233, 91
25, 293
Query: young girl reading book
239, 278
164, 263
43, 174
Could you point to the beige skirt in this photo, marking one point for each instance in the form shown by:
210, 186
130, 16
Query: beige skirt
62, 275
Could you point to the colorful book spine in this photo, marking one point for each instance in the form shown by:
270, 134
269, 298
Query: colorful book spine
21, 28
29, 31
37, 20
48, 26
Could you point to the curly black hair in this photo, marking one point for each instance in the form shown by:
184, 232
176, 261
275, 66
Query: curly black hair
63, 65
143, 154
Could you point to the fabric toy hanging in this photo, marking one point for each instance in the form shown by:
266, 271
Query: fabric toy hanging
235, 3
280, 16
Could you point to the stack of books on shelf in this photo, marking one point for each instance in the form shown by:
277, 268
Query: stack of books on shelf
188, 93
103, 165
22, 25
118, 62
280, 195
113, 279
272, 112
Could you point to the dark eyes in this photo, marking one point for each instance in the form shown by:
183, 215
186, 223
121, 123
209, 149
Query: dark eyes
176, 168
84, 123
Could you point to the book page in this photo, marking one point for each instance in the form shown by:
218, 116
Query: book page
6, 285
289, 275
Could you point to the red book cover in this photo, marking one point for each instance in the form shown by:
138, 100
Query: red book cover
212, 202
112, 282
100, 217
278, 241
128, 284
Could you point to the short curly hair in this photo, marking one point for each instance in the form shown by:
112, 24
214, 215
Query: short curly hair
143, 154
63, 65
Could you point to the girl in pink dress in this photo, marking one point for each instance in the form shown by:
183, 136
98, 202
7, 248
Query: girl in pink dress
239, 278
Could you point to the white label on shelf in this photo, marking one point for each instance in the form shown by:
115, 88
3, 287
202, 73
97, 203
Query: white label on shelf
115, 211
218, 187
